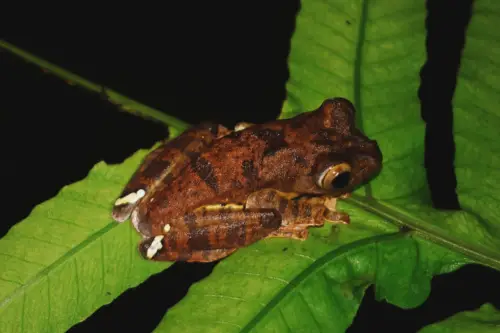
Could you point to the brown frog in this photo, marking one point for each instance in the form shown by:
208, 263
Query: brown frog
210, 191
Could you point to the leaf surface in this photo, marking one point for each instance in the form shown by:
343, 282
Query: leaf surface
68, 257
484, 320
476, 123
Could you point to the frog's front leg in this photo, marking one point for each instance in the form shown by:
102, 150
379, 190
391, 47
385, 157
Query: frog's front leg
165, 160
299, 214
210, 233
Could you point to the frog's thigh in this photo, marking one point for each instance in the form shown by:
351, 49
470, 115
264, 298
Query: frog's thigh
207, 230
304, 211
297, 215
337, 217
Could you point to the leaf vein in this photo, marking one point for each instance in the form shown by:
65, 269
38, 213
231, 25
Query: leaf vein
280, 311
390, 103
23, 310
332, 29
403, 13
481, 59
260, 275
103, 271
311, 312
11, 281
226, 323
77, 282
395, 81
390, 60
65, 222
478, 108
479, 81
314, 68
234, 298
307, 87
395, 126
337, 10
69, 197
331, 51
48, 303
394, 36
304, 256
19, 235
21, 259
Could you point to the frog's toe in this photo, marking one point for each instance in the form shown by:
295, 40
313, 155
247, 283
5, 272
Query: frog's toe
337, 217
150, 248
299, 233
141, 225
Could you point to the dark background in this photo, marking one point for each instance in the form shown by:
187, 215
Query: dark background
197, 63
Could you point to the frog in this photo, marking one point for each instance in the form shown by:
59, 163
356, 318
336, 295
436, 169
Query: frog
211, 191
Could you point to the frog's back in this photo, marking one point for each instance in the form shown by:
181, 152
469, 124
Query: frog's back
224, 172
240, 163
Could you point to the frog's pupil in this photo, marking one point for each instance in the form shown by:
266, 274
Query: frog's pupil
341, 180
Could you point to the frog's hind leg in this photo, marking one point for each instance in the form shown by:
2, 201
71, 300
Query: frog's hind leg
210, 255
299, 214
298, 228
203, 256
210, 233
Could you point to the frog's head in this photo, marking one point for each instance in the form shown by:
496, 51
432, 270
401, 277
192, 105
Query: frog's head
340, 157
346, 157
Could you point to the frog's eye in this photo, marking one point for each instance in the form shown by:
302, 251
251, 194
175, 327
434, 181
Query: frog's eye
335, 177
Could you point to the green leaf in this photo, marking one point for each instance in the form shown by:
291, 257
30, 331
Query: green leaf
68, 257
316, 285
370, 52
484, 320
476, 119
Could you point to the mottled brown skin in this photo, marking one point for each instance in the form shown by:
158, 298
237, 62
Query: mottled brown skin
173, 154
271, 170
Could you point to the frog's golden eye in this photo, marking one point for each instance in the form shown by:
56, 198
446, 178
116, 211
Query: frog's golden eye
335, 177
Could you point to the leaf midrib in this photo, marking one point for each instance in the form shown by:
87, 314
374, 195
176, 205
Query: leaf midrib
357, 76
423, 229
316, 266
392, 215
124, 103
